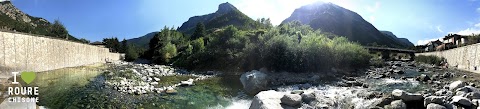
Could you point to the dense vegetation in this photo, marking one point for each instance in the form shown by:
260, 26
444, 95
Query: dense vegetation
473, 39
132, 52
430, 59
288, 47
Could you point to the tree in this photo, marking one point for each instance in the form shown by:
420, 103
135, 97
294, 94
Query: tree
123, 48
58, 30
199, 31
131, 52
83, 40
112, 44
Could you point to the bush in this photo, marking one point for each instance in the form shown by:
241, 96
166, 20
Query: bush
132, 52
430, 59
289, 47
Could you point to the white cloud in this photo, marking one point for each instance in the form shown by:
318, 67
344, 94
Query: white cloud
469, 31
439, 29
478, 10
4, 0
373, 8
425, 41
475, 29
477, 25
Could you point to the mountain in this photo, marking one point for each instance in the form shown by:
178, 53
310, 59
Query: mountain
332, 18
404, 41
227, 14
13, 19
143, 40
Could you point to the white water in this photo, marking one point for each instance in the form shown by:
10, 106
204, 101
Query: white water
343, 97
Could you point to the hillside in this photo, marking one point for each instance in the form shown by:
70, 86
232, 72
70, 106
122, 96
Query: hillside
142, 41
227, 14
403, 41
332, 18
13, 19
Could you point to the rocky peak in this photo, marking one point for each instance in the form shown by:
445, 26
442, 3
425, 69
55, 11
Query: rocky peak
7, 8
225, 7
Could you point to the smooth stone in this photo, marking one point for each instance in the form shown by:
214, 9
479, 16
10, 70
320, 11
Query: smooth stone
435, 106
291, 99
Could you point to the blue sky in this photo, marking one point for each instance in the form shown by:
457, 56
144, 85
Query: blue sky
417, 20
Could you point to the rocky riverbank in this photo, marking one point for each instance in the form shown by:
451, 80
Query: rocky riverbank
130, 78
397, 85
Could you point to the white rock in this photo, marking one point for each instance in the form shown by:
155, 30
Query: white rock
156, 79
405, 96
435, 106
186, 83
154, 83
456, 84
397, 104
267, 100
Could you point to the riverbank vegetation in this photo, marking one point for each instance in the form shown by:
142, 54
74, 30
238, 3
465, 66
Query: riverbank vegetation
430, 59
289, 47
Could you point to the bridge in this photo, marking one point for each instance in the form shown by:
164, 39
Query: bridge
387, 51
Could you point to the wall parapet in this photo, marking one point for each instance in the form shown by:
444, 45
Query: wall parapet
465, 57
25, 52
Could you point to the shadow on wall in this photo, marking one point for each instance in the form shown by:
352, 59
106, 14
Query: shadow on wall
5, 72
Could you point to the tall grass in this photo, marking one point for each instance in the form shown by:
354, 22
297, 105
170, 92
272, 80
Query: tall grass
430, 59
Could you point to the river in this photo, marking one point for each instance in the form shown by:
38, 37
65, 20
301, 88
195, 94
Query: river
83, 87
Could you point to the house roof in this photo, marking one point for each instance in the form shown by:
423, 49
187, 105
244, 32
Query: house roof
451, 36
97, 43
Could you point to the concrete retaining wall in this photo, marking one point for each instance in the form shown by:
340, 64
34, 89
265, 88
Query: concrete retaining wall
22, 52
466, 57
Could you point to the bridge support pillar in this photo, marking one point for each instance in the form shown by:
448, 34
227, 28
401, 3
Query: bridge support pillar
385, 55
412, 56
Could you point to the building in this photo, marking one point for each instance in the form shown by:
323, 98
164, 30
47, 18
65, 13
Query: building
97, 43
432, 45
454, 40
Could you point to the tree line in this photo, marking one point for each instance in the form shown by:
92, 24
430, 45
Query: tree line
288, 47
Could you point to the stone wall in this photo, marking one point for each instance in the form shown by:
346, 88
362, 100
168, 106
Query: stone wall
466, 57
23, 52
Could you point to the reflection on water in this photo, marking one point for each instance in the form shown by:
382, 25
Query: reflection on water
83, 87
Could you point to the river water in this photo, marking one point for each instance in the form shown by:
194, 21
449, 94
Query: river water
83, 87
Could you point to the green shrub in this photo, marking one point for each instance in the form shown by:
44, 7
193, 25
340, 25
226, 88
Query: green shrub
289, 47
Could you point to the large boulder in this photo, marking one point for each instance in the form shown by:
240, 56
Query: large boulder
267, 100
456, 84
435, 106
462, 101
473, 95
291, 99
397, 104
307, 97
434, 99
322, 102
254, 82
405, 96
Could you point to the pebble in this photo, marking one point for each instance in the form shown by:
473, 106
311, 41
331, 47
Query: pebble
148, 78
